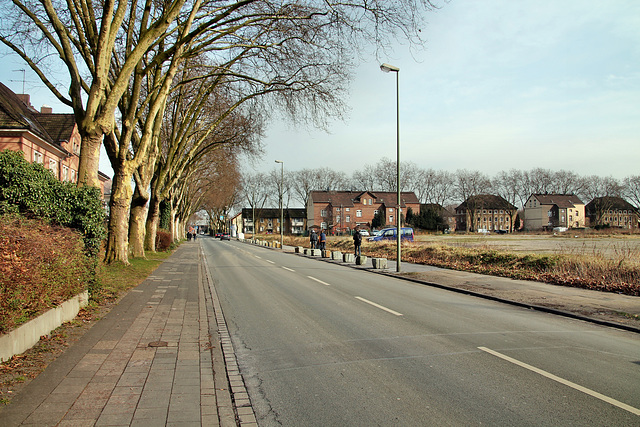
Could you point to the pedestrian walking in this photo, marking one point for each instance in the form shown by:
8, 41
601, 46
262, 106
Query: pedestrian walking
323, 240
313, 239
357, 241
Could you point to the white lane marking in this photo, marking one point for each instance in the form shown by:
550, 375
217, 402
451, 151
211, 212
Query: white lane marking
288, 269
257, 256
269, 261
379, 306
318, 280
568, 383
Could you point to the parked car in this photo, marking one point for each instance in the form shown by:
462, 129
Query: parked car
364, 233
225, 236
390, 234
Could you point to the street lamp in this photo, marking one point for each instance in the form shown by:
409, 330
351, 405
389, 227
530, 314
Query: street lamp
281, 207
390, 68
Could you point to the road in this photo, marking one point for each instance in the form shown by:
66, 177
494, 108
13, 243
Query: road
321, 344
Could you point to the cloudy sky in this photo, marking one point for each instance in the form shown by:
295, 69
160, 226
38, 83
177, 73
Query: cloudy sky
501, 84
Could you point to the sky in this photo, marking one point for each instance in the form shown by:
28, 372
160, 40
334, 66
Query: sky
501, 84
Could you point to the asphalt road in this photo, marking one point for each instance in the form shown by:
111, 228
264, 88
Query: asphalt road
321, 344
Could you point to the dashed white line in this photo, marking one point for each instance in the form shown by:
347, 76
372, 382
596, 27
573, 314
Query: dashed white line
318, 280
269, 261
288, 269
568, 383
379, 306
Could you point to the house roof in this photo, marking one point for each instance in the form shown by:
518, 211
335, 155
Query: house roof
609, 203
347, 198
486, 201
15, 114
560, 200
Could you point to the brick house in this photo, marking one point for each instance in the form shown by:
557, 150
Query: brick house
44, 137
546, 211
342, 211
486, 212
268, 220
613, 212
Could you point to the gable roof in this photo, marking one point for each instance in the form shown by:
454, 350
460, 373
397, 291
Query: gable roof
560, 200
347, 198
609, 203
16, 115
486, 201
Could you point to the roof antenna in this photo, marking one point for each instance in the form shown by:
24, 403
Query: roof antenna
24, 78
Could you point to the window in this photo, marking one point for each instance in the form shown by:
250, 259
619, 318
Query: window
323, 212
348, 218
390, 219
364, 202
370, 202
390, 209
338, 218
38, 157
323, 225
348, 209
73, 175
358, 213
65, 173
375, 212
337, 209
53, 167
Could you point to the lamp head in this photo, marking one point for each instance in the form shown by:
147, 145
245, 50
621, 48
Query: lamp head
387, 68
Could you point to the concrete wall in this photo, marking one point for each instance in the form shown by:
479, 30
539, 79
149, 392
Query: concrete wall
26, 336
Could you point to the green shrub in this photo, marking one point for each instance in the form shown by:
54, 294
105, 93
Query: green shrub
32, 190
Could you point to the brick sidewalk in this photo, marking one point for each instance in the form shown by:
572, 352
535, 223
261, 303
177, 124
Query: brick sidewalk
155, 359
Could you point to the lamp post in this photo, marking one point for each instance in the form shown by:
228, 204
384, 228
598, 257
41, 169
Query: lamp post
281, 203
390, 68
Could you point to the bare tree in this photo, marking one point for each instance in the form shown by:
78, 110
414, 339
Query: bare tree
508, 185
470, 184
631, 189
255, 191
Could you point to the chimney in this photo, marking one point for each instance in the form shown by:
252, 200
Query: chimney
45, 109
24, 97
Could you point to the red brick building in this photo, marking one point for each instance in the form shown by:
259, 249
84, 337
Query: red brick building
44, 137
342, 211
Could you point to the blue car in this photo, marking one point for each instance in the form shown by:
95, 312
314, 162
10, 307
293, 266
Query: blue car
390, 234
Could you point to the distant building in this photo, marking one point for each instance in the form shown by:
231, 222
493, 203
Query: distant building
613, 212
546, 211
486, 213
342, 211
268, 220
44, 137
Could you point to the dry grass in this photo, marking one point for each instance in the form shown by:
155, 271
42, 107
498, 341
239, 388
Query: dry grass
612, 269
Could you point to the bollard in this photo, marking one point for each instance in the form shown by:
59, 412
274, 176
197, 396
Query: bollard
298, 249
350, 258
326, 253
361, 260
336, 255
316, 252
379, 263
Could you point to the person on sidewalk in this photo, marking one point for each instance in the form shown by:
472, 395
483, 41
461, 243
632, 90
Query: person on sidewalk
323, 240
357, 240
313, 239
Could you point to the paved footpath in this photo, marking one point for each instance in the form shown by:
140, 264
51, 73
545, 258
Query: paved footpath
156, 359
